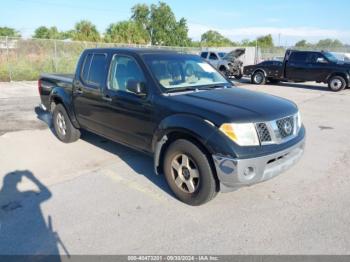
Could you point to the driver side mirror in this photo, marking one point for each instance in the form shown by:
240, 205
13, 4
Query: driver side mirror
136, 87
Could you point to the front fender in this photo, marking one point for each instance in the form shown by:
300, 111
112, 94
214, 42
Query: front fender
194, 126
63, 96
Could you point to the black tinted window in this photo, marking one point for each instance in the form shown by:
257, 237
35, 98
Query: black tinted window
213, 56
298, 57
98, 69
86, 67
315, 57
204, 54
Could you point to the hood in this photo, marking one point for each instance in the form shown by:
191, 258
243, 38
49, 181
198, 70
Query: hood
235, 54
235, 105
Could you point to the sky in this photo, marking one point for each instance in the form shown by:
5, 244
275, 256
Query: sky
288, 21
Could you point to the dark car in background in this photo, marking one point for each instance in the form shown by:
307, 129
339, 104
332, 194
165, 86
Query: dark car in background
302, 66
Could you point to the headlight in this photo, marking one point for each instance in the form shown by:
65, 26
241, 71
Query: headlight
299, 120
242, 134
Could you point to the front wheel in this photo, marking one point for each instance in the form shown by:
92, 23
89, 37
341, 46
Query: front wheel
258, 78
336, 83
64, 129
188, 173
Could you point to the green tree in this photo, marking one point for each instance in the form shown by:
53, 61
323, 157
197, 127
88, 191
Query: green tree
47, 33
160, 23
302, 43
214, 38
7, 31
329, 43
126, 32
85, 31
265, 41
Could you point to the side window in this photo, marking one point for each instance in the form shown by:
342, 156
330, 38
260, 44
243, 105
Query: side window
213, 56
124, 68
204, 55
298, 57
86, 68
98, 69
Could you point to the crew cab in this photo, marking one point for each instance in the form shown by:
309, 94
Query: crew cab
205, 134
228, 64
301, 66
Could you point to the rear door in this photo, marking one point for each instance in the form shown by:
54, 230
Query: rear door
87, 95
297, 67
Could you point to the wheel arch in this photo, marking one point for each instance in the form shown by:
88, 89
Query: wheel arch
260, 70
59, 96
342, 74
176, 127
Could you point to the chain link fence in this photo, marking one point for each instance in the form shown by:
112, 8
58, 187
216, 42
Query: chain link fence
26, 59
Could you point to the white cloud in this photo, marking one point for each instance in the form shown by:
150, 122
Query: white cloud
290, 33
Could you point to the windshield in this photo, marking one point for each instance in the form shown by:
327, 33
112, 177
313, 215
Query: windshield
178, 71
222, 54
330, 57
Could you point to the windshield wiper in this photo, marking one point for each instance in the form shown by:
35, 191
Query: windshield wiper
181, 89
208, 87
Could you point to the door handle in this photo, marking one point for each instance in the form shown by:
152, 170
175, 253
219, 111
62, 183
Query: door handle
107, 98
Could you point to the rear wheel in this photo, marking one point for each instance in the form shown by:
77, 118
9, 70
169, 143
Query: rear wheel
336, 83
64, 129
188, 173
258, 78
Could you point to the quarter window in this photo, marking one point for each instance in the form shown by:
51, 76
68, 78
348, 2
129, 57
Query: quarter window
123, 69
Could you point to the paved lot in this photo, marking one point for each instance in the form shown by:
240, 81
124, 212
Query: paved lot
97, 197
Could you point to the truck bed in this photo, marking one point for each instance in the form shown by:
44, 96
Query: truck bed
49, 81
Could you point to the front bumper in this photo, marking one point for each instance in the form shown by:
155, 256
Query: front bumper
234, 173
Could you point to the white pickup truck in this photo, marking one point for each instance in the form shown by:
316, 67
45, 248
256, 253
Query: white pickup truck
227, 63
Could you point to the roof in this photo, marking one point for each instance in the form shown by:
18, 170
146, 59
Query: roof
139, 51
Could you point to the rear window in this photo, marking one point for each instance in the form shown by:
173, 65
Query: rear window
94, 69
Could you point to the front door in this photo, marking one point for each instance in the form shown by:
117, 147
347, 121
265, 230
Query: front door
128, 118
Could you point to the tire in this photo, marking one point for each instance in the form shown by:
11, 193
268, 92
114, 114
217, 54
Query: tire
258, 78
188, 173
64, 129
336, 83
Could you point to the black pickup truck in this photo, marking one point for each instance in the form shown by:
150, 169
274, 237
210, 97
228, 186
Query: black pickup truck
301, 66
206, 135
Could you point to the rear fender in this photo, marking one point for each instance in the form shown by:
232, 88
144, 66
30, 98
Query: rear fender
342, 74
60, 95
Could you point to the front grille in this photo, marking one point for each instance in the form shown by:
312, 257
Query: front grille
263, 132
285, 126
